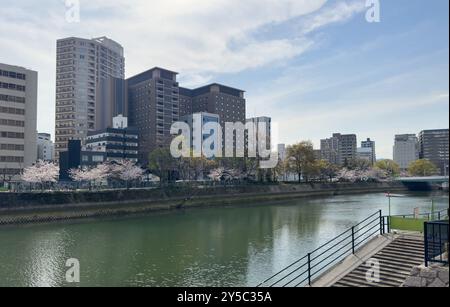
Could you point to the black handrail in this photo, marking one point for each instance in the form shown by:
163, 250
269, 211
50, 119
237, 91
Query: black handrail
436, 240
313, 263
306, 269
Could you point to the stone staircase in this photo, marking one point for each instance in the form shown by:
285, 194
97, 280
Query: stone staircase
396, 262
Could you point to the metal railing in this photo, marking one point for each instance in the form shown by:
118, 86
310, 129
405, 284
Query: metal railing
436, 242
305, 270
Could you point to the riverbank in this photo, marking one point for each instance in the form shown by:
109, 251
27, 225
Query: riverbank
27, 208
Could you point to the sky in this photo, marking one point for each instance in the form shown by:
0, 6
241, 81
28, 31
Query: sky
315, 66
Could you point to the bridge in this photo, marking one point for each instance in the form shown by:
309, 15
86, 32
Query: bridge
425, 183
430, 179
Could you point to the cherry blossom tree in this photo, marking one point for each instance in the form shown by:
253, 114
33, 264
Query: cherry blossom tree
373, 174
101, 172
91, 175
127, 171
41, 173
221, 174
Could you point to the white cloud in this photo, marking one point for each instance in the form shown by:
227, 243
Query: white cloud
198, 38
339, 12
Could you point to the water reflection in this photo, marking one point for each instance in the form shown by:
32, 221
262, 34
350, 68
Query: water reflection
205, 247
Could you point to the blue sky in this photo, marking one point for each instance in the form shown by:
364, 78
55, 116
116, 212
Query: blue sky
315, 66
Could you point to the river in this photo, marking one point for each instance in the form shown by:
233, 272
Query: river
236, 246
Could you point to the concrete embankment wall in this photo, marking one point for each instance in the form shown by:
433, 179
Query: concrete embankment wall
46, 207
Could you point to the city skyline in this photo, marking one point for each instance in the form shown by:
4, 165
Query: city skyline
300, 65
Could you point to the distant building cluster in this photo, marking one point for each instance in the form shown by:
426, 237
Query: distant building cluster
91, 93
101, 116
341, 149
432, 145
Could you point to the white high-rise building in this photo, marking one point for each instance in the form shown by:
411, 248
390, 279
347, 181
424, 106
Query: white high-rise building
45, 147
18, 120
81, 64
406, 150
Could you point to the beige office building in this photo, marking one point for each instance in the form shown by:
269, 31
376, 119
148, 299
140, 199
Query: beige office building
82, 66
18, 121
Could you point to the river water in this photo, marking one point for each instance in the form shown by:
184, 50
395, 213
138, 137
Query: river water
237, 246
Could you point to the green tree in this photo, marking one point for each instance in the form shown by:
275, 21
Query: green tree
301, 156
161, 163
327, 170
422, 168
389, 166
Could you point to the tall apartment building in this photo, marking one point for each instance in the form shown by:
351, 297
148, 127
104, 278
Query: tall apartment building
81, 65
434, 146
339, 149
370, 145
153, 106
45, 147
227, 102
18, 120
406, 150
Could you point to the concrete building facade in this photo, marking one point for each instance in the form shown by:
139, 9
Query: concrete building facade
111, 101
340, 149
18, 120
81, 66
110, 144
329, 150
45, 147
227, 102
369, 145
406, 150
434, 146
153, 106
365, 153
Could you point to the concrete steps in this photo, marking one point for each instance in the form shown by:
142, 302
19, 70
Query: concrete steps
396, 262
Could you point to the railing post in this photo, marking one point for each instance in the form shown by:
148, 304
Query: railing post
381, 223
425, 233
309, 269
353, 240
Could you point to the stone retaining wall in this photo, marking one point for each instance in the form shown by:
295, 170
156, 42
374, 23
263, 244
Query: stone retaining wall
432, 277
33, 200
